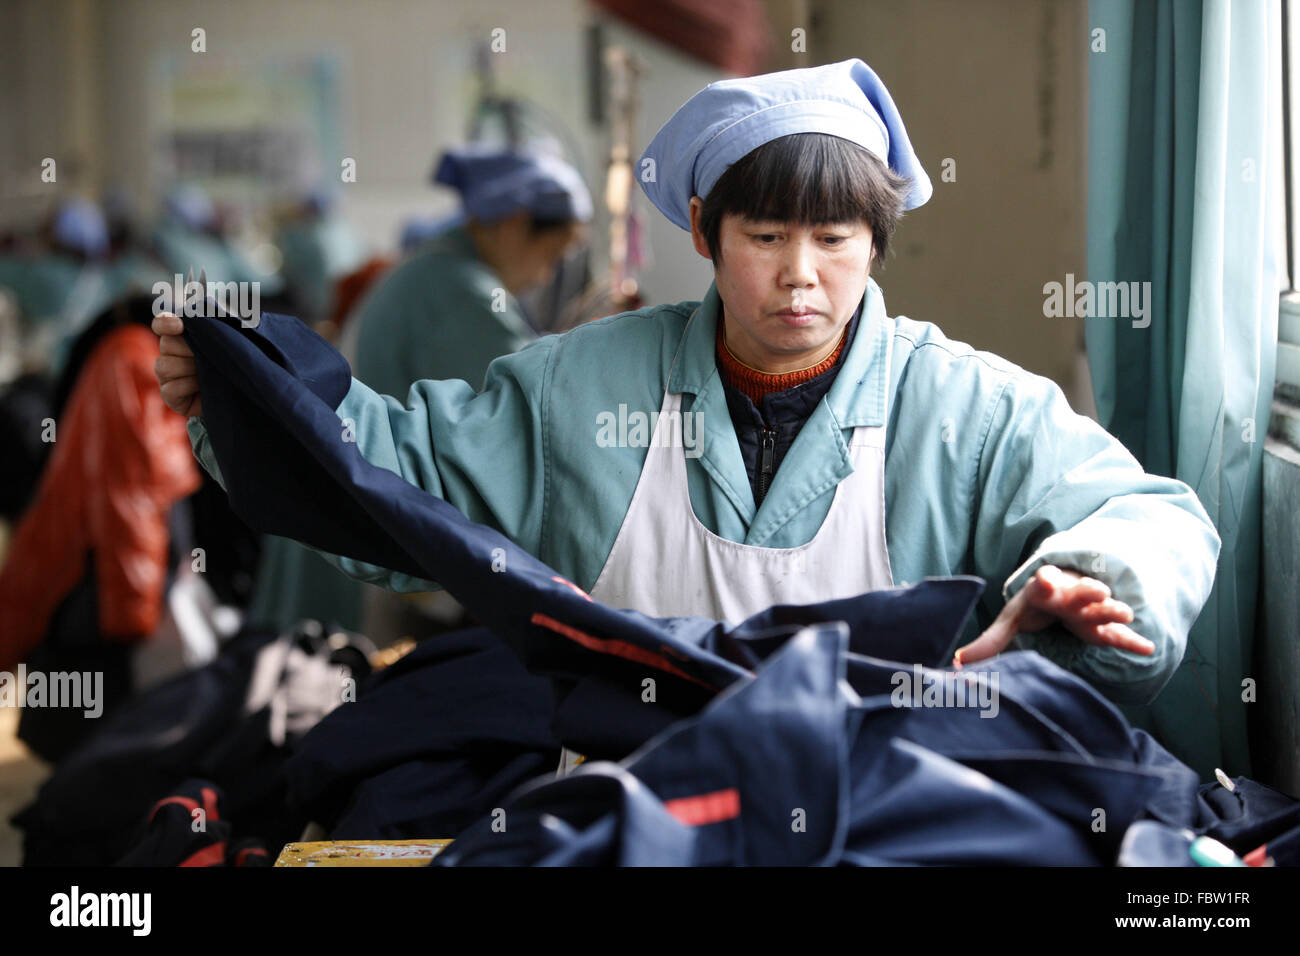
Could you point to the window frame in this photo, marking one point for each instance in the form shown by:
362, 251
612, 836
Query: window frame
1288, 326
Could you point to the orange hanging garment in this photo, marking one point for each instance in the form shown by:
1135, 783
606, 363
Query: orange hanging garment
121, 459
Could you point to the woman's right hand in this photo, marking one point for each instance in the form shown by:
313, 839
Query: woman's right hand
177, 378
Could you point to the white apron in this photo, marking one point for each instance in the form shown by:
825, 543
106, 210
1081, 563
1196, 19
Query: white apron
665, 563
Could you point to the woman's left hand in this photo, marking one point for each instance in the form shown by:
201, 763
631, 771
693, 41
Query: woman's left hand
1082, 604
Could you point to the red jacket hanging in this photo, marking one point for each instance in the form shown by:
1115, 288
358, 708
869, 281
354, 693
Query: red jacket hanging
120, 460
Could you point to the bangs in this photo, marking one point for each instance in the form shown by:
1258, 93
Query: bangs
808, 178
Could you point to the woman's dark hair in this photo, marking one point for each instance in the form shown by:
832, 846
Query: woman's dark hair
808, 178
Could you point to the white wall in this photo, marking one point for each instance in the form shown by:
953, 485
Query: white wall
407, 83
1000, 87
997, 85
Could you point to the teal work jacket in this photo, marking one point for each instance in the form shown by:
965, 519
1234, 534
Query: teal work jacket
988, 471
441, 314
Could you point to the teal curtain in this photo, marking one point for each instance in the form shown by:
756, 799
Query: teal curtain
1185, 192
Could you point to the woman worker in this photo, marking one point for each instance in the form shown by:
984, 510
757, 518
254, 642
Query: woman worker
445, 312
450, 308
821, 448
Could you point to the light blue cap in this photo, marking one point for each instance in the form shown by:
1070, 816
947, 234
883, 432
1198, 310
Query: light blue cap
79, 225
495, 183
729, 119
190, 204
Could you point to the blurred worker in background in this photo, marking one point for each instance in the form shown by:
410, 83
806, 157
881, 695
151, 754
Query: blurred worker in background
449, 309
446, 311
317, 248
86, 576
189, 234
65, 281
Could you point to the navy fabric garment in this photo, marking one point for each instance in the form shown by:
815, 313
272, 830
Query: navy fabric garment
431, 744
194, 726
1249, 816
1284, 849
607, 818
813, 760
268, 397
188, 827
428, 747
768, 774
86, 812
797, 767
1038, 711
1250, 820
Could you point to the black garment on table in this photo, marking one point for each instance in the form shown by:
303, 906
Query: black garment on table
432, 743
1249, 815
194, 726
86, 812
444, 735
783, 412
72, 644
190, 827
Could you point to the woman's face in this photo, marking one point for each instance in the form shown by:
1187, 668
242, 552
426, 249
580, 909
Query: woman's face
788, 290
525, 259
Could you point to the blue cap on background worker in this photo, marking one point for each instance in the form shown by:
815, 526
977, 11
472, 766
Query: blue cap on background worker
190, 205
79, 228
494, 183
450, 307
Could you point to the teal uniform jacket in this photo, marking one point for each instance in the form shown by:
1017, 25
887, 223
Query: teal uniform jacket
441, 314
181, 249
314, 254
987, 471
430, 317
59, 296
56, 289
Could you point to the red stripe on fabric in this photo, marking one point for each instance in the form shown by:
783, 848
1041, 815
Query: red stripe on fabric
615, 647
570, 584
706, 808
208, 856
185, 802
210, 802
239, 857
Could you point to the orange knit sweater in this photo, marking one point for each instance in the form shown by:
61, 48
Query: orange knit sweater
756, 384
